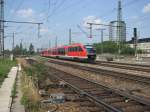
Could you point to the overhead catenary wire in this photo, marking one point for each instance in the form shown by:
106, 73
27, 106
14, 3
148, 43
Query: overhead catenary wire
55, 9
62, 8
125, 5
115, 9
16, 9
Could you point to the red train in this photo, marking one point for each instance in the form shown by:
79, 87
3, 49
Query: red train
74, 52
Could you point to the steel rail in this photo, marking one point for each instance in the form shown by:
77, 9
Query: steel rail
98, 100
90, 96
124, 66
128, 67
112, 62
140, 79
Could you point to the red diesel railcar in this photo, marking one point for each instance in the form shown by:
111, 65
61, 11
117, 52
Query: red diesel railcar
74, 51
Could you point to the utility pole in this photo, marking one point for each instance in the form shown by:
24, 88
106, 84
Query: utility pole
13, 46
56, 41
102, 36
135, 40
102, 32
90, 30
13, 43
49, 43
2, 27
21, 46
70, 36
39, 24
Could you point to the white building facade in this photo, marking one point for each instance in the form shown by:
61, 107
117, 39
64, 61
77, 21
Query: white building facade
144, 45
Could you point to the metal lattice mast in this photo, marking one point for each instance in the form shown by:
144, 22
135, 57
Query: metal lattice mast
119, 17
119, 20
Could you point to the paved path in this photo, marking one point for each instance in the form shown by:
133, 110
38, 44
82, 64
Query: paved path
5, 90
16, 106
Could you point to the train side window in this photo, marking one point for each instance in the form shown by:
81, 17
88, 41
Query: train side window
71, 49
79, 48
59, 51
63, 51
76, 48
68, 49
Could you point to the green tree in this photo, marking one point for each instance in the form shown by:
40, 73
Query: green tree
108, 47
16, 50
7, 52
21, 48
31, 49
112, 47
25, 51
126, 50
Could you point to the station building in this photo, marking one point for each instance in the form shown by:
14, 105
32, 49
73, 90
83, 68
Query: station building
143, 44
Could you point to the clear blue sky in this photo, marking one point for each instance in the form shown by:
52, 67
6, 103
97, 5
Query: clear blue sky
60, 15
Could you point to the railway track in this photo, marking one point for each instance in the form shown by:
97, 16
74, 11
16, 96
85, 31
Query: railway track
137, 67
136, 78
128, 66
74, 101
106, 98
72, 96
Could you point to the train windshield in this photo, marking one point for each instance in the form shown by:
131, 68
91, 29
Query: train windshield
90, 49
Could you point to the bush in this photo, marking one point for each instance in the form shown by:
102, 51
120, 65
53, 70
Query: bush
112, 47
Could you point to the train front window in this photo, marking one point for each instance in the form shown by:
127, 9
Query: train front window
90, 49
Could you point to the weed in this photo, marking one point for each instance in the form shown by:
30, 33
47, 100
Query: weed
5, 66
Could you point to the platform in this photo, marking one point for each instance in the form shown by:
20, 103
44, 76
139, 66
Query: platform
5, 90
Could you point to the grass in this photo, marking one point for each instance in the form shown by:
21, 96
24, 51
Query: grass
31, 75
43, 59
5, 66
14, 91
30, 98
37, 70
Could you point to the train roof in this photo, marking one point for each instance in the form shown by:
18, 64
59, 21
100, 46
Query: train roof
75, 44
66, 46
